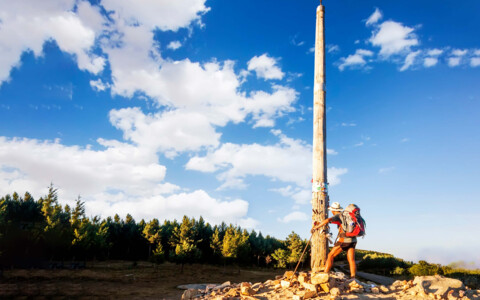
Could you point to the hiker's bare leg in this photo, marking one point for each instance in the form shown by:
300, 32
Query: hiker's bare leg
351, 261
331, 255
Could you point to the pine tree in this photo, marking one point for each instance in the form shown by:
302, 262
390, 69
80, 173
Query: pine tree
152, 233
217, 243
281, 256
184, 243
295, 247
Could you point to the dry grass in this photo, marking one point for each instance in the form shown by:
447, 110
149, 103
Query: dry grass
120, 280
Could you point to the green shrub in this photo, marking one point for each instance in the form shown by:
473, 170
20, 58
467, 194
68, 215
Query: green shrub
424, 269
383, 264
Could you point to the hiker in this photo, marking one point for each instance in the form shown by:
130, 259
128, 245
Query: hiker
343, 243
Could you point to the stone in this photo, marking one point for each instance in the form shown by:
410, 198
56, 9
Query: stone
451, 296
399, 283
461, 293
190, 294
232, 293
285, 284
375, 290
421, 294
356, 290
309, 286
245, 284
384, 289
297, 297
325, 287
438, 285
288, 274
412, 293
302, 277
335, 292
309, 294
257, 286
223, 285
278, 277
319, 278
247, 291
355, 284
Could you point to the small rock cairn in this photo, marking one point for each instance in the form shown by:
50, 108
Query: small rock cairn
335, 286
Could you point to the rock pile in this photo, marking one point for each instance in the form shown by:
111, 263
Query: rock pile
335, 286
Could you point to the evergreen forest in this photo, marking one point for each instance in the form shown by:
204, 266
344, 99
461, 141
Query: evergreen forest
34, 233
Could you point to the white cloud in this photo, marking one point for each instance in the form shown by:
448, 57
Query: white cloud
194, 204
211, 89
121, 179
98, 85
475, 61
169, 132
356, 60
26, 26
265, 106
393, 38
348, 124
359, 144
333, 48
288, 161
265, 67
174, 45
374, 18
165, 15
454, 61
457, 57
435, 52
300, 195
294, 216
331, 152
459, 52
409, 60
430, 62
404, 140
334, 175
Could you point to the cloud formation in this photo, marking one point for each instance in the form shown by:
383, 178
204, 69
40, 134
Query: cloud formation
52, 21
399, 43
356, 60
265, 67
294, 216
374, 18
393, 38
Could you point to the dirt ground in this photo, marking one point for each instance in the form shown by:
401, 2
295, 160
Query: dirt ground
120, 280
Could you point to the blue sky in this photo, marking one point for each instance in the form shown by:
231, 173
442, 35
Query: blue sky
205, 108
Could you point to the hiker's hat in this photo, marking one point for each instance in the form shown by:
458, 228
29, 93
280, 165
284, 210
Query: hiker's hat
335, 207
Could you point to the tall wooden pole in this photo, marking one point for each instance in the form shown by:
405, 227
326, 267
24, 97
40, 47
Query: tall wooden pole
319, 182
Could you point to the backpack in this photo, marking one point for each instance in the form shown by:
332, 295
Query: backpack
354, 225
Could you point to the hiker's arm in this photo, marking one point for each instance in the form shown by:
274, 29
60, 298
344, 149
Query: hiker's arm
323, 223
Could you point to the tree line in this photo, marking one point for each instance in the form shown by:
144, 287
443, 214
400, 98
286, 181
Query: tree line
34, 232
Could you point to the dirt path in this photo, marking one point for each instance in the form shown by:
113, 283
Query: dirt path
120, 280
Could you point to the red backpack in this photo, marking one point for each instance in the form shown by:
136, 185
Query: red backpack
354, 225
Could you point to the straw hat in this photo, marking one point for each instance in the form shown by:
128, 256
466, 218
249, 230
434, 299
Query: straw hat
335, 207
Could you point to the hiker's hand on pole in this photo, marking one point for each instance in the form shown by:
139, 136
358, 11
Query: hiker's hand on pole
316, 225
